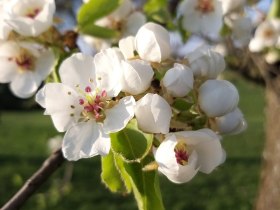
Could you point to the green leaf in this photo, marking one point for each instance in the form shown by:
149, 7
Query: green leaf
111, 176
145, 185
153, 6
274, 11
131, 143
182, 104
98, 31
95, 9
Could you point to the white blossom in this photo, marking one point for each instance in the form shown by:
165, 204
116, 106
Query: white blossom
201, 16
182, 154
30, 17
231, 123
153, 114
82, 105
205, 62
137, 76
267, 35
217, 97
178, 80
152, 42
24, 65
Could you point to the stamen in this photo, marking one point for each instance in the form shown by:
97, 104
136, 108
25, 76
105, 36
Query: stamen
81, 101
88, 89
181, 153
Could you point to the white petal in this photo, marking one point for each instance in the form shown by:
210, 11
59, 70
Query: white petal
78, 70
122, 11
118, 116
137, 76
127, 47
153, 114
178, 80
24, 85
62, 103
85, 140
8, 70
44, 64
256, 45
231, 123
108, 70
217, 97
152, 42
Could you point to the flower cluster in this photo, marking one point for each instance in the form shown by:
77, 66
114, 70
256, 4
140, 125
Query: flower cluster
180, 101
24, 64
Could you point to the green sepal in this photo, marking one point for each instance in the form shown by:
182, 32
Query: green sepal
98, 31
131, 143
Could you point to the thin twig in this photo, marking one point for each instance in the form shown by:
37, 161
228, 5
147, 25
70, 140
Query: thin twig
31, 185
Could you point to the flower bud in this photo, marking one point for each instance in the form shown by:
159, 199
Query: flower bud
152, 42
137, 76
178, 81
153, 114
206, 63
231, 123
217, 97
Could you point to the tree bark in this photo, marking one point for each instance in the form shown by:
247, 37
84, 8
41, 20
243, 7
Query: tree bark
47, 169
269, 190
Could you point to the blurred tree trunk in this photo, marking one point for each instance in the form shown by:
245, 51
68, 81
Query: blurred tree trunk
269, 190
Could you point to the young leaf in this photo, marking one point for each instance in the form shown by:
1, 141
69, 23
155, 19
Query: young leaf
95, 9
98, 31
145, 185
131, 143
111, 176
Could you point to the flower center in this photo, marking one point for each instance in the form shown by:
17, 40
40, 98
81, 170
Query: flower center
205, 6
94, 104
181, 153
24, 60
32, 13
268, 33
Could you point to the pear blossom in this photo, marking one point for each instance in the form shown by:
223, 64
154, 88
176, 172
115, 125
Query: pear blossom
178, 80
153, 114
217, 97
137, 76
182, 154
231, 123
152, 42
30, 17
267, 35
83, 105
205, 62
24, 65
201, 16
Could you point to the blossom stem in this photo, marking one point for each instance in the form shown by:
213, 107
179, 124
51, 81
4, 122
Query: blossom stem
39, 177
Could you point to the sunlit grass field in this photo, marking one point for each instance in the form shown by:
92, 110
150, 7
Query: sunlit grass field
233, 186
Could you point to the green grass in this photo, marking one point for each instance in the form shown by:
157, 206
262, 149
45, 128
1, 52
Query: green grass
23, 147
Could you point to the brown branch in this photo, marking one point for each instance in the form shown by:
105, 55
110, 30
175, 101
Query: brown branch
31, 185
